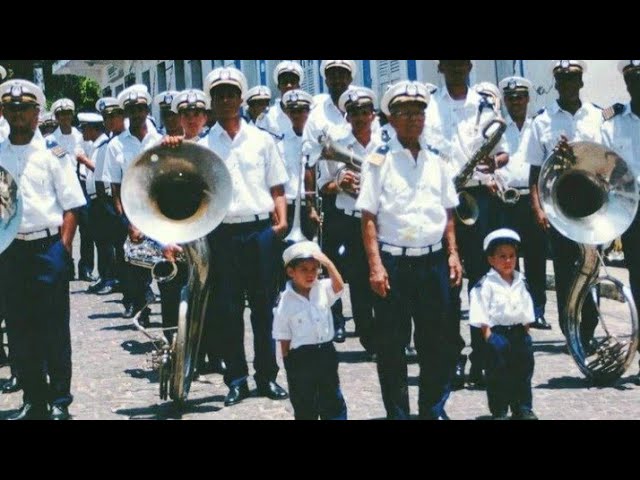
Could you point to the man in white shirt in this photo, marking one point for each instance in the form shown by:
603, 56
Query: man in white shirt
344, 182
257, 103
515, 175
407, 200
621, 132
170, 119
121, 152
38, 259
245, 246
574, 120
288, 75
454, 122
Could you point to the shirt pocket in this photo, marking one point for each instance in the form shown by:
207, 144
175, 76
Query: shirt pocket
302, 325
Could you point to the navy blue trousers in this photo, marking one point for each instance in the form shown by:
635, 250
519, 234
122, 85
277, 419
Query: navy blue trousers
38, 319
419, 289
244, 258
87, 258
103, 220
509, 369
314, 384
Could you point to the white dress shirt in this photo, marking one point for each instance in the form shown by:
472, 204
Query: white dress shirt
494, 302
47, 184
4, 128
408, 197
329, 168
255, 166
622, 134
290, 147
90, 149
305, 321
101, 173
547, 127
324, 115
275, 120
516, 172
72, 143
123, 149
454, 127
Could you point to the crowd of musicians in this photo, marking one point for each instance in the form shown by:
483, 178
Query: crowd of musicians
389, 228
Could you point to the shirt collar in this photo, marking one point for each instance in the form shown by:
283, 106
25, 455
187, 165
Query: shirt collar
290, 291
493, 274
217, 130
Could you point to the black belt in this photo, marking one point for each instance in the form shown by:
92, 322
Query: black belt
315, 346
507, 328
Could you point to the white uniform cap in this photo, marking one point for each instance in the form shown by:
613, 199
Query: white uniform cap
107, 104
300, 251
404, 91
165, 99
133, 95
46, 117
22, 91
568, 66
190, 100
514, 84
626, 64
228, 76
356, 96
63, 104
3, 73
259, 92
505, 235
288, 66
297, 98
89, 117
487, 88
347, 64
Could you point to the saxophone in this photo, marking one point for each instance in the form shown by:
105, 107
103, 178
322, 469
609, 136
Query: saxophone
467, 211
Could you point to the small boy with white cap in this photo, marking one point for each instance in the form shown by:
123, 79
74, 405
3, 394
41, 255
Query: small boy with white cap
500, 305
304, 326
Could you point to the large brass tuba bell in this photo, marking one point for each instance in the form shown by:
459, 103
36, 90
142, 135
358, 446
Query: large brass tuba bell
10, 209
179, 195
590, 196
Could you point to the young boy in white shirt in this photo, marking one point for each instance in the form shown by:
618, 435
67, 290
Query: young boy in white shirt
304, 326
500, 304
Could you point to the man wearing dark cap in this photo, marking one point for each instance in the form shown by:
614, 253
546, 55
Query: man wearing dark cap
38, 258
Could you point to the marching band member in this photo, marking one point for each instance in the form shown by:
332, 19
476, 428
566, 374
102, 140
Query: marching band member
570, 118
358, 104
257, 101
519, 216
453, 125
621, 132
38, 293
135, 102
407, 200
245, 245
287, 76
170, 119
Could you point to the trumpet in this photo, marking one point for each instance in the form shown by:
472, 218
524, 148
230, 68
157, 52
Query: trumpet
148, 254
507, 194
331, 150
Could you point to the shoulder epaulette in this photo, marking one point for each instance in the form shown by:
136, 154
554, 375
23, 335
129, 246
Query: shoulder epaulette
53, 146
539, 112
274, 135
385, 136
433, 150
204, 132
378, 157
597, 106
103, 143
479, 283
610, 112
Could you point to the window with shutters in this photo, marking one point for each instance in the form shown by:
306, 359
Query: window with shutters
309, 84
161, 76
389, 71
146, 79
130, 79
196, 74
179, 69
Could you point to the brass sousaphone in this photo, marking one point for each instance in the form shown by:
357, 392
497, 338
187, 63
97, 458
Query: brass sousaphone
179, 195
590, 196
10, 209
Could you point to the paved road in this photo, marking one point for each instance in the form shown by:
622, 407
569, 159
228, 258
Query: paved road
112, 378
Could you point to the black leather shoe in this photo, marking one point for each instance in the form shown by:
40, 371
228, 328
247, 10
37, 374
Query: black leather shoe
526, 415
458, 377
540, 324
59, 412
476, 377
107, 288
236, 394
30, 411
218, 366
410, 352
99, 285
273, 391
340, 335
143, 319
12, 385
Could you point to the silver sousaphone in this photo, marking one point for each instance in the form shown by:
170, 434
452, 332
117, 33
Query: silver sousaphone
590, 196
179, 195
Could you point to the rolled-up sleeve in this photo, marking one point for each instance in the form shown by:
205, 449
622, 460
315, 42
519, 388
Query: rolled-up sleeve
281, 329
113, 162
478, 315
276, 172
371, 189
